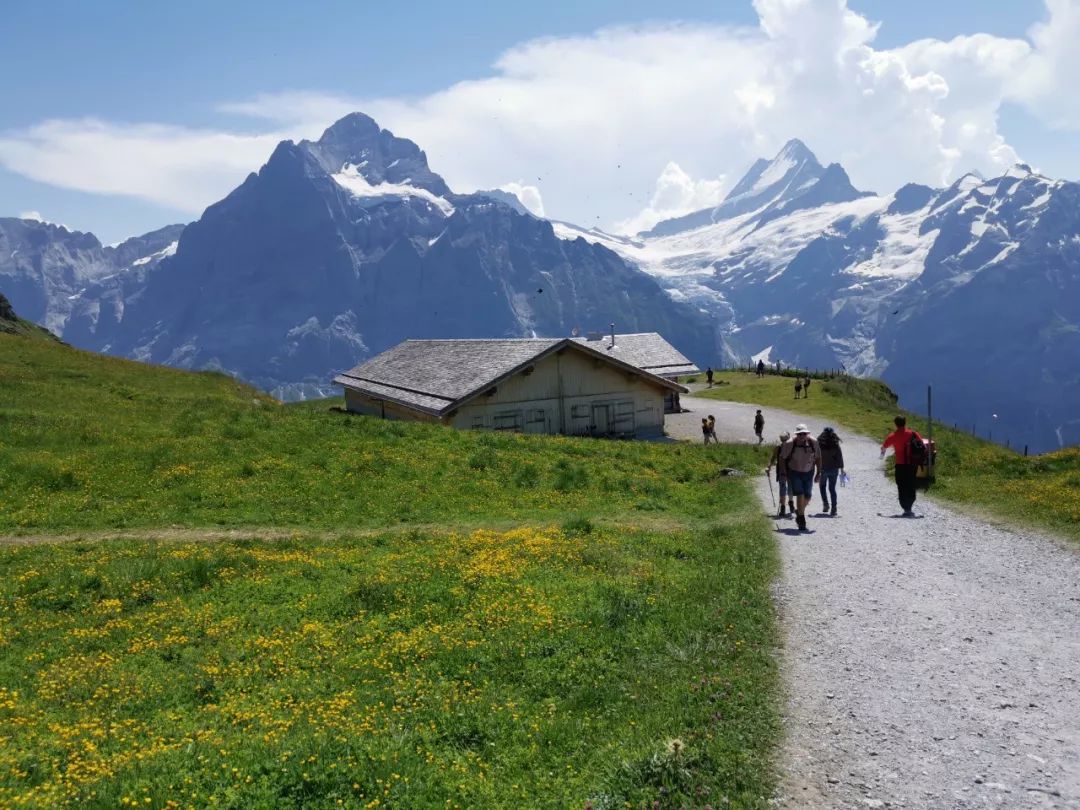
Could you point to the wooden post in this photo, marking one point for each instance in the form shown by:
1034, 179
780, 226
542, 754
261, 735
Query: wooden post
1025, 449
930, 433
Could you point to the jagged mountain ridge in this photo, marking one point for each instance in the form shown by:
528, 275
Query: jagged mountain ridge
44, 267
974, 288
339, 248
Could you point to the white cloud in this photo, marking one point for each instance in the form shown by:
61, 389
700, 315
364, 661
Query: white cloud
676, 193
529, 196
594, 119
1047, 85
36, 216
175, 166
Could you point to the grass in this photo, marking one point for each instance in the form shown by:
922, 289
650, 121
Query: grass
91, 442
1037, 491
457, 619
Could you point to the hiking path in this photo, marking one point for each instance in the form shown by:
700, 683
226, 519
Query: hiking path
927, 663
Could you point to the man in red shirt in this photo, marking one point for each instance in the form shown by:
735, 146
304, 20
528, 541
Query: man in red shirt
900, 441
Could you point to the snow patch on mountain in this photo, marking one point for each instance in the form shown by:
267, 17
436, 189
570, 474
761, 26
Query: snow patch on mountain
168, 250
350, 179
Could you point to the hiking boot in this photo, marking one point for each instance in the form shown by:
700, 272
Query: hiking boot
791, 506
832, 512
824, 506
908, 513
800, 521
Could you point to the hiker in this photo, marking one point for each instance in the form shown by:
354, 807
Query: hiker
759, 426
802, 460
708, 375
806, 388
712, 428
761, 368
798, 387
705, 430
781, 477
910, 452
832, 464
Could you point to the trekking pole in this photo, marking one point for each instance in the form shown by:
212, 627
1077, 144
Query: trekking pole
773, 497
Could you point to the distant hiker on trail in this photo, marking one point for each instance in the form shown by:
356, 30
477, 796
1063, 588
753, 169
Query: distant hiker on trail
781, 477
711, 421
761, 368
832, 464
806, 388
802, 460
705, 430
759, 426
798, 387
910, 452
709, 375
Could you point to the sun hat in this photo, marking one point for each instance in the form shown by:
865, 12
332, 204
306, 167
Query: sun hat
802, 429
785, 436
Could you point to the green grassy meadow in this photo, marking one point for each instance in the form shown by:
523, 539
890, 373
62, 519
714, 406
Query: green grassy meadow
452, 619
1037, 491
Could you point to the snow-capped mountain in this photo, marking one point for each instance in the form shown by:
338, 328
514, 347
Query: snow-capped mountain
341, 247
974, 288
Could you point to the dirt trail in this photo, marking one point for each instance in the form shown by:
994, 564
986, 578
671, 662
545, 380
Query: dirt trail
928, 663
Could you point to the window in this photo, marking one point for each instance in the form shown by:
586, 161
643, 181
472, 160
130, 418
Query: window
478, 421
536, 415
507, 420
579, 411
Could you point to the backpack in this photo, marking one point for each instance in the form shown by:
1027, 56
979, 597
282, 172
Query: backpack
801, 457
828, 439
917, 454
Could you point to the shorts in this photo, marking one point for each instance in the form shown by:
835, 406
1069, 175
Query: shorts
801, 483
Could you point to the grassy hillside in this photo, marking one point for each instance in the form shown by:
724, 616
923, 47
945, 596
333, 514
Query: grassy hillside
454, 619
1040, 491
91, 442
11, 324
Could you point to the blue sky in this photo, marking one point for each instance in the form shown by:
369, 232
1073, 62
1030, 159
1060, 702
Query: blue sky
196, 93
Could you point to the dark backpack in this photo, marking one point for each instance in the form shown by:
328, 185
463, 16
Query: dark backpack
917, 451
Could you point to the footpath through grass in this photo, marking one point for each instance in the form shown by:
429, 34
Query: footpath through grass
510, 629
1037, 491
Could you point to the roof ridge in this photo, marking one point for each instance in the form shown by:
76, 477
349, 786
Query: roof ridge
483, 340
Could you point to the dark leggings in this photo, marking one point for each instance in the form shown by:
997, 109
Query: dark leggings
828, 477
905, 485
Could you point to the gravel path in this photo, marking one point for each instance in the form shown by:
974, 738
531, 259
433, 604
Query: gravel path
928, 663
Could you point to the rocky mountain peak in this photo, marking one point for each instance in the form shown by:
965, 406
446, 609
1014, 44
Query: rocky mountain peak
377, 154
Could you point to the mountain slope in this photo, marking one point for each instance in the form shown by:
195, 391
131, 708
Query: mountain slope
974, 288
45, 267
342, 247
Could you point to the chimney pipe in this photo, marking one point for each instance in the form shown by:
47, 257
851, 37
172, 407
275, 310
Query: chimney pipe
613, 336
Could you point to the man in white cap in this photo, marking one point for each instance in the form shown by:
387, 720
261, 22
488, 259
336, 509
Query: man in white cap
801, 457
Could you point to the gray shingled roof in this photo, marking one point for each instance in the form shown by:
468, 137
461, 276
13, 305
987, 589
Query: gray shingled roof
436, 375
646, 350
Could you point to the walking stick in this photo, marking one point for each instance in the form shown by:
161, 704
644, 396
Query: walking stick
768, 478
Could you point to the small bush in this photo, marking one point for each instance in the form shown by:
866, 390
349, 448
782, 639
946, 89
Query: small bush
569, 476
578, 525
